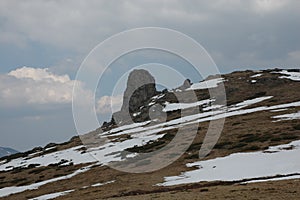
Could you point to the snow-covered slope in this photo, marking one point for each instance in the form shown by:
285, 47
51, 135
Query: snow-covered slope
140, 134
278, 160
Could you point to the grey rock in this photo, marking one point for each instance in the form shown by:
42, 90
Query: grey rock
140, 88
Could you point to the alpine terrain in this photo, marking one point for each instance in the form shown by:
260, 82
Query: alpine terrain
256, 156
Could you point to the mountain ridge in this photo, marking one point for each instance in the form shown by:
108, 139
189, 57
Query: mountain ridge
262, 117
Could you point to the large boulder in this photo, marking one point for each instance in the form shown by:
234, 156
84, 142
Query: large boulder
140, 88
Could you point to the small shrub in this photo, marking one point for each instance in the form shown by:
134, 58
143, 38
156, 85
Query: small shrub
276, 139
195, 146
37, 171
252, 148
250, 138
239, 145
18, 180
204, 190
289, 137
296, 127
222, 145
264, 138
246, 135
236, 123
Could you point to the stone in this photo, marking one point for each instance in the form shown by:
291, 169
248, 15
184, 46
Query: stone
140, 89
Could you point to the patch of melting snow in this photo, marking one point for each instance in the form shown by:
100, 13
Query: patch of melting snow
158, 96
212, 107
206, 84
50, 148
239, 166
136, 114
18, 189
295, 76
52, 196
58, 194
249, 102
100, 184
151, 103
290, 116
233, 112
179, 106
125, 127
69, 155
256, 75
253, 81
112, 151
279, 110
2, 162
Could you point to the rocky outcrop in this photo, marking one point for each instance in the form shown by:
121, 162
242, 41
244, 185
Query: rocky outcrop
186, 84
140, 88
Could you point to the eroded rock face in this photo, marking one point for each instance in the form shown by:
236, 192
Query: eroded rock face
140, 88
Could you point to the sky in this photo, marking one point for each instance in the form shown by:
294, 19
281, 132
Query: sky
44, 42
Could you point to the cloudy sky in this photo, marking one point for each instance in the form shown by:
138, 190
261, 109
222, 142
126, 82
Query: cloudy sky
43, 42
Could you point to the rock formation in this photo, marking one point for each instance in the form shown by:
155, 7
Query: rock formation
140, 88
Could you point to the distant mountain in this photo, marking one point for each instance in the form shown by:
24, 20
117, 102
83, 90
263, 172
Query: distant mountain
5, 151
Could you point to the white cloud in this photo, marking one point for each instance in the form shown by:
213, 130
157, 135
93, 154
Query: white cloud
38, 74
30, 86
109, 104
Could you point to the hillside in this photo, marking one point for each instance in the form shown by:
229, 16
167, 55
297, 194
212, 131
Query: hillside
256, 155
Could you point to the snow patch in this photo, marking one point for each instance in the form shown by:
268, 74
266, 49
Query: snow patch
279, 110
239, 166
249, 102
180, 106
100, 184
15, 189
136, 114
158, 96
52, 196
256, 75
295, 76
290, 116
206, 84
